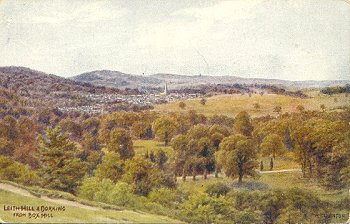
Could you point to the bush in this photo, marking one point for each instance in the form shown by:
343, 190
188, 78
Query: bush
122, 195
164, 196
217, 189
89, 187
201, 208
17, 172
104, 191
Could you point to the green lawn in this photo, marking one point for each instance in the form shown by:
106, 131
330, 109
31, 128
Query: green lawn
280, 163
231, 105
74, 214
268, 181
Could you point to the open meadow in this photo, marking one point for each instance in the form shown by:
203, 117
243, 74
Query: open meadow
231, 105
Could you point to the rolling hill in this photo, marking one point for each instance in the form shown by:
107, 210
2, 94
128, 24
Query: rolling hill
74, 212
31, 83
117, 79
121, 80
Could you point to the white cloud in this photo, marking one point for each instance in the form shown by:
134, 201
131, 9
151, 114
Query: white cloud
56, 12
289, 39
223, 10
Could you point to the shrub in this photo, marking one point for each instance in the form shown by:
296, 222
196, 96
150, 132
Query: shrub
164, 196
217, 189
201, 208
17, 172
122, 195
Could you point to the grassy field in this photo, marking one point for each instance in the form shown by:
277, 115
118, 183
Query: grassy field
281, 181
73, 214
231, 105
280, 163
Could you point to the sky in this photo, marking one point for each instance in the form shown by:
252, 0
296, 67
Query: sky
284, 39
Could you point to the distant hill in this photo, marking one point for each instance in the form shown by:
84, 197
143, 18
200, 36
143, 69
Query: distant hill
121, 80
205, 79
117, 79
29, 82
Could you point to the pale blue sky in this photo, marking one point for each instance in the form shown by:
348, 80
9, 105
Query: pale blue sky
295, 40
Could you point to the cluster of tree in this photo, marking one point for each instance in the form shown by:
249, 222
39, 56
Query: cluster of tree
219, 203
95, 158
336, 89
319, 142
281, 91
195, 150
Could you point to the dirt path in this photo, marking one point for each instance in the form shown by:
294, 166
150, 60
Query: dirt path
20, 191
281, 171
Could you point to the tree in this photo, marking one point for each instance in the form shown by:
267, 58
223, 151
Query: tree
323, 107
71, 127
165, 128
237, 156
162, 158
182, 105
59, 167
142, 130
271, 163
110, 168
221, 120
300, 108
26, 142
142, 175
203, 101
121, 142
179, 144
243, 124
277, 109
18, 172
256, 106
217, 133
7, 147
272, 145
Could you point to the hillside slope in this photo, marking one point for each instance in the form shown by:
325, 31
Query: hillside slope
31, 83
117, 79
74, 212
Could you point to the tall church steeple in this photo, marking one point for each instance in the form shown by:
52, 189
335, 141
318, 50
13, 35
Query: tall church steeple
166, 89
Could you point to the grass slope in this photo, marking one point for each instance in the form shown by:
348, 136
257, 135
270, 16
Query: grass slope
73, 214
231, 105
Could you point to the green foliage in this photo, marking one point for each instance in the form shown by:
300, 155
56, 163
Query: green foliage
336, 89
217, 189
120, 142
243, 124
272, 145
89, 186
142, 175
17, 172
60, 168
111, 167
165, 128
237, 156
142, 130
122, 195
103, 193
201, 208
164, 196
182, 105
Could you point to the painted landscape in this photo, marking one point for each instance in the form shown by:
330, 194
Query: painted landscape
222, 153
174, 112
